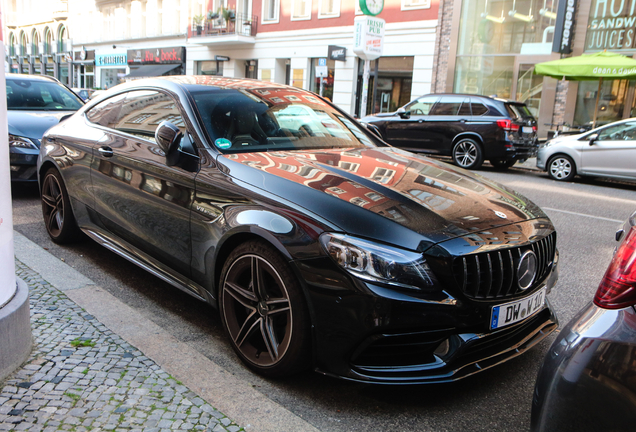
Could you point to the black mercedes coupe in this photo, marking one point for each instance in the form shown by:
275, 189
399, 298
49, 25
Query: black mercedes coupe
321, 246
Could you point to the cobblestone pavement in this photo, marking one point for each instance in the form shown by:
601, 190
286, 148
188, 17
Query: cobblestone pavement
83, 377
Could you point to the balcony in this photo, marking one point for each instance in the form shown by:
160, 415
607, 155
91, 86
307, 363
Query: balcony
240, 30
60, 10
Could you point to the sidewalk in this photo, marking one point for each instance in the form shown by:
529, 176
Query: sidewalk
81, 376
99, 365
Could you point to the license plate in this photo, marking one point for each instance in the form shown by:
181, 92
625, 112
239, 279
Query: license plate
510, 313
527, 129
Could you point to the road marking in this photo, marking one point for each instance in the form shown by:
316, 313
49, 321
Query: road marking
583, 214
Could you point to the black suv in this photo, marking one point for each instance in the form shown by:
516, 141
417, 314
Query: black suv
470, 128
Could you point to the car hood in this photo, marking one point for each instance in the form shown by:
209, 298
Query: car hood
33, 124
384, 193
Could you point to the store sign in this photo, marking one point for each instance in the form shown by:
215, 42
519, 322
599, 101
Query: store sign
368, 37
221, 58
337, 53
564, 28
611, 25
84, 55
157, 56
115, 59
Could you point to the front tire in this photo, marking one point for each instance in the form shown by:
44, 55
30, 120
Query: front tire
56, 209
561, 168
263, 311
467, 154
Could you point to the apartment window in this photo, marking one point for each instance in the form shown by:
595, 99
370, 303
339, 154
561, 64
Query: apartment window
358, 201
271, 9
416, 4
383, 175
349, 166
330, 8
336, 190
301, 10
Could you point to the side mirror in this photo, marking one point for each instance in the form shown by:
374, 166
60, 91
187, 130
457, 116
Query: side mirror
373, 129
168, 137
592, 138
403, 113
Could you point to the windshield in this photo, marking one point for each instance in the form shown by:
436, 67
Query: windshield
274, 119
32, 95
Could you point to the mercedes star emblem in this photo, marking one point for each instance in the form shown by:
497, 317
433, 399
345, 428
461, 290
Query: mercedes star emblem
526, 270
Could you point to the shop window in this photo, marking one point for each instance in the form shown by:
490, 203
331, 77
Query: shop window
393, 89
489, 75
301, 10
327, 82
271, 10
210, 68
416, 4
611, 102
330, 8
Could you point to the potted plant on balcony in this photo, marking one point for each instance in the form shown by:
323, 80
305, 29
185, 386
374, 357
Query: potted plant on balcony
198, 23
212, 15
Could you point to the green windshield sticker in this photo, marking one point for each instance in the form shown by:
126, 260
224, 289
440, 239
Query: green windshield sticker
223, 143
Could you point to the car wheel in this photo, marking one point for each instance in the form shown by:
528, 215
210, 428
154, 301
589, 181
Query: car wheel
263, 311
561, 168
467, 154
56, 209
502, 164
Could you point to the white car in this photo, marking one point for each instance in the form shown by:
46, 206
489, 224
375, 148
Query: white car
608, 151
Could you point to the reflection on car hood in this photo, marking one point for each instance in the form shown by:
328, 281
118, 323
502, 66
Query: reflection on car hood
429, 197
33, 124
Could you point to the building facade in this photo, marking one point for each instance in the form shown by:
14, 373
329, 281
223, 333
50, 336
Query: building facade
100, 43
493, 46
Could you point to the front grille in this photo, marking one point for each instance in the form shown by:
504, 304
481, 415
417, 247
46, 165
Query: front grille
493, 275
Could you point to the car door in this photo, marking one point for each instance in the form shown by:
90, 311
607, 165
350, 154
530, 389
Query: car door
407, 131
613, 153
444, 123
138, 197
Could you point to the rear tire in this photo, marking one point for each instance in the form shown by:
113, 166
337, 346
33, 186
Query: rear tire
467, 154
263, 311
561, 168
56, 209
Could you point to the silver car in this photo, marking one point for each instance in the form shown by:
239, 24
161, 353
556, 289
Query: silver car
608, 151
588, 379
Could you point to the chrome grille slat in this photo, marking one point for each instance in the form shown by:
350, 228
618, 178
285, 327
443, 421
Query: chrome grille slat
492, 275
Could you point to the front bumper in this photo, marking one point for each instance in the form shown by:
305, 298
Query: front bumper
22, 164
373, 334
586, 382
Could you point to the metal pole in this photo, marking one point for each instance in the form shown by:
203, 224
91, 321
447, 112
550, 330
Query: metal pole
322, 84
365, 88
598, 95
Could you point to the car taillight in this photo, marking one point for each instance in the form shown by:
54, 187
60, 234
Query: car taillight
507, 125
618, 287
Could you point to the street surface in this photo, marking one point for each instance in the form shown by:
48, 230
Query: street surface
586, 214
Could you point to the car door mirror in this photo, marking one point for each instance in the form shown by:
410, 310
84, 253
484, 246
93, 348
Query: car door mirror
403, 113
592, 138
169, 138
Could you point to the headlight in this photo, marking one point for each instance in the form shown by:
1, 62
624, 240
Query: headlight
22, 142
379, 263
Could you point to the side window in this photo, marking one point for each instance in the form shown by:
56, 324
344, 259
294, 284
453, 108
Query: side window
478, 108
621, 132
447, 106
464, 110
421, 106
106, 112
143, 110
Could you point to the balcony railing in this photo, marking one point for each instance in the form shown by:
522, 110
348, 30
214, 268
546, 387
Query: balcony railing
240, 25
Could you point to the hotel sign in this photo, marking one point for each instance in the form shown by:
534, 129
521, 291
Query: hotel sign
611, 26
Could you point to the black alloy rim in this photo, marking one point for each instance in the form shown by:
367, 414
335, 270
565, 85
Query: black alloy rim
257, 310
53, 205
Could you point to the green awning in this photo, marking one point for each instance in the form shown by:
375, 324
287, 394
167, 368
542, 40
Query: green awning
589, 67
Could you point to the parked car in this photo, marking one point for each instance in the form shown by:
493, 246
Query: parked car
331, 251
608, 151
469, 128
34, 104
84, 93
588, 379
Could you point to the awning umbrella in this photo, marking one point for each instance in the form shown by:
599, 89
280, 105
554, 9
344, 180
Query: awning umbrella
589, 67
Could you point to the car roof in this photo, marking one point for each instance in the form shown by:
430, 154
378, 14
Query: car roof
494, 98
206, 80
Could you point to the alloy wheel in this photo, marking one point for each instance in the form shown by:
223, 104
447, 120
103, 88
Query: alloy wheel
466, 154
257, 310
53, 207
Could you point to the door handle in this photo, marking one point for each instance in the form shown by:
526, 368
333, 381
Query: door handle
105, 151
